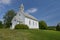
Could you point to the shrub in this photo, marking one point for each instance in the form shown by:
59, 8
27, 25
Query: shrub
21, 26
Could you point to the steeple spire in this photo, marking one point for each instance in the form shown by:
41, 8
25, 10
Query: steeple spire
22, 7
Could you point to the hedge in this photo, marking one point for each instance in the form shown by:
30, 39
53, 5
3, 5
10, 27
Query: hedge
21, 26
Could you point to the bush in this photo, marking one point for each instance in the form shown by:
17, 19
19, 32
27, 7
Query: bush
21, 26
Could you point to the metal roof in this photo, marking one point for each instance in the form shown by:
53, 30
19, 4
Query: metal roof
30, 16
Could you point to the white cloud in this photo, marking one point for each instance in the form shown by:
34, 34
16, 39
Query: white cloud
31, 10
5, 1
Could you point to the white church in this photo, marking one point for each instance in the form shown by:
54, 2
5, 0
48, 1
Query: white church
24, 18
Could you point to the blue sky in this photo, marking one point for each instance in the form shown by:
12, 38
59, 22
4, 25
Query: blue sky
47, 10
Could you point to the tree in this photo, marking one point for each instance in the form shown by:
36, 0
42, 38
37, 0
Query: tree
58, 27
1, 25
42, 25
8, 17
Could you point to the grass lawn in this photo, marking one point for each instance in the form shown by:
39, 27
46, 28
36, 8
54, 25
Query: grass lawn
7, 34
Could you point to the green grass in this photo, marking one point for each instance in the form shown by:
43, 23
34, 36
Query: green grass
7, 34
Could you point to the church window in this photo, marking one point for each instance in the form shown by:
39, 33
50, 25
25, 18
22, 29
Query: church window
19, 14
33, 23
36, 24
29, 22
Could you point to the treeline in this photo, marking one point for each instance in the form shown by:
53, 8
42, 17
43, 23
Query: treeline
51, 27
43, 25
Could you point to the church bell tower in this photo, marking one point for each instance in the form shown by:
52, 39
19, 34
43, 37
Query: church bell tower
22, 8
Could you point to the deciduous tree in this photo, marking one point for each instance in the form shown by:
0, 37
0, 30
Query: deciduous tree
42, 25
8, 17
58, 27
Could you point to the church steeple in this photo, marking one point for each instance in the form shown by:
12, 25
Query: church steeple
22, 7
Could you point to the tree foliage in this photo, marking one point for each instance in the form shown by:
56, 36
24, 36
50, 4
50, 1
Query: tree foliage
42, 25
8, 17
1, 25
58, 27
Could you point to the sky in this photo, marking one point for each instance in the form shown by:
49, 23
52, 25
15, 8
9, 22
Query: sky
47, 10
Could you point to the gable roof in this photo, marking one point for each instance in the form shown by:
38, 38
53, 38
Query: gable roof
30, 16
